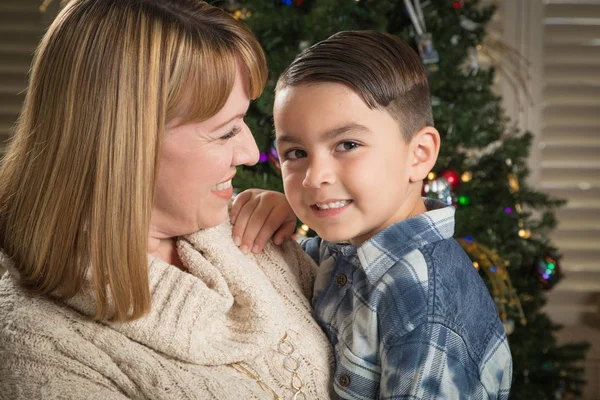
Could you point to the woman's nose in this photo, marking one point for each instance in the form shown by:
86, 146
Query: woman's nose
246, 151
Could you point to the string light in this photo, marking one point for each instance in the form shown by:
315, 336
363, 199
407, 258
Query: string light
524, 233
466, 176
303, 230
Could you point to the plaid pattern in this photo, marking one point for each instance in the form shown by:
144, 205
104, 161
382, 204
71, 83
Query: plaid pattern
409, 316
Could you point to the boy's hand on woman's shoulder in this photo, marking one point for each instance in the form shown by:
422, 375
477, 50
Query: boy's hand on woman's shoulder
257, 215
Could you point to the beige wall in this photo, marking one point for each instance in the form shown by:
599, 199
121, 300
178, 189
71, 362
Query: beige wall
561, 41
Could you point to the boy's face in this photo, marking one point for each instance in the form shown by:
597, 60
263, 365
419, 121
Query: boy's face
346, 168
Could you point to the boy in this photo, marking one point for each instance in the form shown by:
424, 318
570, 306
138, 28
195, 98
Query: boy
407, 314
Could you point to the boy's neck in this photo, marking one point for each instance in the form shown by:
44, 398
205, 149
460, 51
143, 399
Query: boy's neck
417, 207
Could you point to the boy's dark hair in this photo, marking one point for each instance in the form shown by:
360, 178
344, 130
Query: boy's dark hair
379, 67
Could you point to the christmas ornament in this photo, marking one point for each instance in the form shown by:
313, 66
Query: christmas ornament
440, 189
429, 55
547, 270
452, 176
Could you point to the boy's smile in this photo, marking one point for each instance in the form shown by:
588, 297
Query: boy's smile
346, 168
329, 208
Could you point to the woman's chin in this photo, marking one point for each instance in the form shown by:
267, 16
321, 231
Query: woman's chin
214, 218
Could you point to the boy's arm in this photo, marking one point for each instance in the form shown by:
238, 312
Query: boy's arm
257, 215
433, 361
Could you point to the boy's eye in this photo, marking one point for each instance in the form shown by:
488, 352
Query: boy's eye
232, 133
294, 154
346, 146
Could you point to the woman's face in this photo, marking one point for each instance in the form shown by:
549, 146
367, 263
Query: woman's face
197, 162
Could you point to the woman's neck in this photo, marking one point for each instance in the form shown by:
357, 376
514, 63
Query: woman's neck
166, 250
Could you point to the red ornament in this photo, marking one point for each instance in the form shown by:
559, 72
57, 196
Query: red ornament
298, 3
452, 176
458, 4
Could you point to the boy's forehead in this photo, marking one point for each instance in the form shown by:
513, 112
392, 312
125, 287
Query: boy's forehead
326, 110
321, 100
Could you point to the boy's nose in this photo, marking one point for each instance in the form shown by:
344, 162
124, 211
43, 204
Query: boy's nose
318, 174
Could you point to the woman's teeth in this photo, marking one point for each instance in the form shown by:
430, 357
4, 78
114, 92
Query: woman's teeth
222, 186
333, 205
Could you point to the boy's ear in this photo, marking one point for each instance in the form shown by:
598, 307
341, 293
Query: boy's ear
425, 146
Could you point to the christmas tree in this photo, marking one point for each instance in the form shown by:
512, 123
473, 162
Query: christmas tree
501, 221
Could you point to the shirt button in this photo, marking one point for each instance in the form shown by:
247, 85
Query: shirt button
341, 280
344, 380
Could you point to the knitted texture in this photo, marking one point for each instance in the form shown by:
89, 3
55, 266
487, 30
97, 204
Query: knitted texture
230, 308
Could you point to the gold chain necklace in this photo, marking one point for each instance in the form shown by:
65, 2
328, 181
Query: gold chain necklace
290, 363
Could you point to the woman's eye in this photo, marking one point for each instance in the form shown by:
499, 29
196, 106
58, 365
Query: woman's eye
232, 133
346, 146
294, 154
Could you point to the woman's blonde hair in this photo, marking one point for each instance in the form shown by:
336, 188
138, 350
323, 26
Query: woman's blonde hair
77, 181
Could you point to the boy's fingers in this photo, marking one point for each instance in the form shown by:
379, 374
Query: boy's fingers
272, 225
238, 203
286, 231
258, 221
241, 221
280, 224
256, 215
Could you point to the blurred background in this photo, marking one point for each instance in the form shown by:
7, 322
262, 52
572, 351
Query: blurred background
545, 61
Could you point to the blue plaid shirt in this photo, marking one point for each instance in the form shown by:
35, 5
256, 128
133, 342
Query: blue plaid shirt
408, 315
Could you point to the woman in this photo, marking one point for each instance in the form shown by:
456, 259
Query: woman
123, 279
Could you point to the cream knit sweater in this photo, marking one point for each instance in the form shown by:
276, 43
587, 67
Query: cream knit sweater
229, 308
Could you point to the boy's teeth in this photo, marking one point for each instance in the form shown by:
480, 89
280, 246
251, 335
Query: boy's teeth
222, 186
329, 206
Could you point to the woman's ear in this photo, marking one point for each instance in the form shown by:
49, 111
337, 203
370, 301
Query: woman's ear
425, 146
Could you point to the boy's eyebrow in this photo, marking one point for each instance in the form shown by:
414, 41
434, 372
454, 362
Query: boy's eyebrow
332, 134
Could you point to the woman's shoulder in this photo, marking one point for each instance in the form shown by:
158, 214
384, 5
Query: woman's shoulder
16, 301
24, 314
44, 349
288, 257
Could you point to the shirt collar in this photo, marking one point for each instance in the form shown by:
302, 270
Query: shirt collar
387, 247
